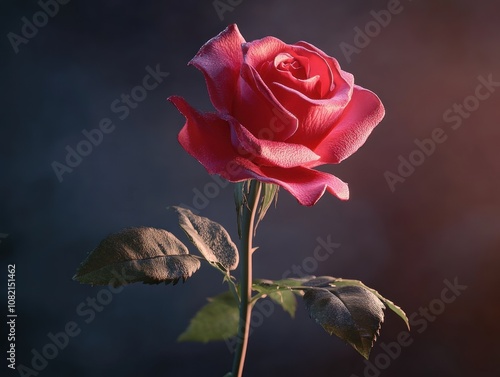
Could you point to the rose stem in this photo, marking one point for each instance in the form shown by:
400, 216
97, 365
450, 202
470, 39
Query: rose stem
246, 251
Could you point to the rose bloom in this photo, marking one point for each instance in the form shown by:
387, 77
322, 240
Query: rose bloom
281, 111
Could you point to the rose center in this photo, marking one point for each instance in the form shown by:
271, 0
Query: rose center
287, 63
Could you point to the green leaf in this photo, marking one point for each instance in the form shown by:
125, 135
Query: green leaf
352, 313
391, 305
279, 293
241, 190
287, 301
210, 238
217, 320
291, 282
269, 194
320, 281
142, 254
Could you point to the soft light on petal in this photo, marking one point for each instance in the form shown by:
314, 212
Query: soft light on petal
364, 112
205, 136
306, 185
268, 152
220, 61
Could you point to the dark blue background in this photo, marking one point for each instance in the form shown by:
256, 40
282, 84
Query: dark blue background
442, 222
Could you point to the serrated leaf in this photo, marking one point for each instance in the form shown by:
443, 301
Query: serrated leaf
391, 305
352, 313
217, 320
142, 254
210, 238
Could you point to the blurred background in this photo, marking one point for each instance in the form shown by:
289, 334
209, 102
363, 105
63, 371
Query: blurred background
440, 223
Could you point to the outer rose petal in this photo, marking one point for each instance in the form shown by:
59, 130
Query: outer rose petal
207, 138
307, 185
220, 60
268, 152
364, 112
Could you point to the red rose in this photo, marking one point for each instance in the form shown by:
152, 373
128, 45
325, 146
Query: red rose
281, 110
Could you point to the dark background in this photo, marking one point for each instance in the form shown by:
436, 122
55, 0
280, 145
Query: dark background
441, 223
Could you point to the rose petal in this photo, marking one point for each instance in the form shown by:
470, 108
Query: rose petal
220, 60
332, 63
320, 66
263, 50
271, 118
316, 117
287, 63
266, 49
310, 86
359, 118
205, 136
340, 78
306, 185
269, 153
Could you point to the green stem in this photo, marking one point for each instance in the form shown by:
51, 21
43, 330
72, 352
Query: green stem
248, 222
